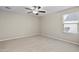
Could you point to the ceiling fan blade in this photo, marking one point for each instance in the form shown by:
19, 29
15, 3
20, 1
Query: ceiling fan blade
28, 8
34, 6
42, 11
29, 12
36, 13
39, 7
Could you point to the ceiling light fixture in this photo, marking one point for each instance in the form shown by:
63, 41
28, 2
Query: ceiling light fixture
35, 10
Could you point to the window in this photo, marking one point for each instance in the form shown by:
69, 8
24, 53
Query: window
71, 23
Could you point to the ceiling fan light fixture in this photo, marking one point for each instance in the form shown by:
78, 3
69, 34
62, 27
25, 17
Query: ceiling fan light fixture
35, 12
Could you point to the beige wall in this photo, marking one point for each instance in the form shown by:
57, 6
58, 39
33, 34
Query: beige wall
13, 25
78, 27
52, 26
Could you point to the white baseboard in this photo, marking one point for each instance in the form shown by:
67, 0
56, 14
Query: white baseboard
52, 37
18, 36
32, 35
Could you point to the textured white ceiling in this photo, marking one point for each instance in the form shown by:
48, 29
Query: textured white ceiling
22, 10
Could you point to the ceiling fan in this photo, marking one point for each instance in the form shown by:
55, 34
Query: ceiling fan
35, 10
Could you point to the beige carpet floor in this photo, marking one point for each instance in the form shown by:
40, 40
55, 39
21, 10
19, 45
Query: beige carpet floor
37, 44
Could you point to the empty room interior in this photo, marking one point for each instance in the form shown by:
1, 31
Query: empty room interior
39, 29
